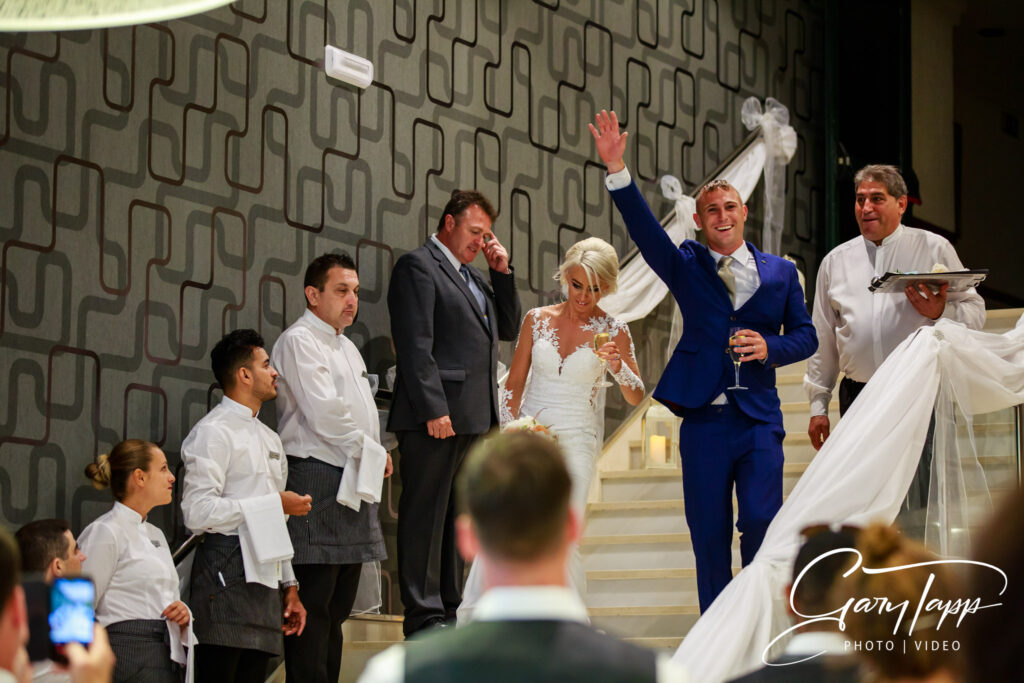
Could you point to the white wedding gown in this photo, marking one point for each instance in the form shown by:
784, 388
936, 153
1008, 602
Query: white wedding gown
561, 393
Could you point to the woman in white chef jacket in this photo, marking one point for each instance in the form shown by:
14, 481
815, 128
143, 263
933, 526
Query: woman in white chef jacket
128, 558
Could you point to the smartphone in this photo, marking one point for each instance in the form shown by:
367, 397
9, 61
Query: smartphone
72, 613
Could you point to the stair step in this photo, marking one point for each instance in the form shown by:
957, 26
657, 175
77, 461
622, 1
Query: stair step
664, 621
643, 574
629, 539
675, 504
662, 643
643, 610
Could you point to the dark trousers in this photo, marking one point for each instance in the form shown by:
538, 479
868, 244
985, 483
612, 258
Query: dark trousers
430, 569
848, 391
327, 592
720, 446
221, 664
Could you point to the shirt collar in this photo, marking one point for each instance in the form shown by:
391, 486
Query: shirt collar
889, 239
447, 252
813, 642
310, 319
742, 255
521, 603
125, 514
237, 408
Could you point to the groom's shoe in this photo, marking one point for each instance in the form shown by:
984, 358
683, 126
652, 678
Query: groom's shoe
429, 626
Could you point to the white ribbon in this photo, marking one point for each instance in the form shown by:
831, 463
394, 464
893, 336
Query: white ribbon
780, 145
683, 227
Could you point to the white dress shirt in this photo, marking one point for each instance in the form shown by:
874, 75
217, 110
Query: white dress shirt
324, 405
858, 329
229, 456
513, 603
129, 561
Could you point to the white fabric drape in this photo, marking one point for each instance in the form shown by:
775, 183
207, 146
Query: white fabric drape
639, 289
780, 144
862, 474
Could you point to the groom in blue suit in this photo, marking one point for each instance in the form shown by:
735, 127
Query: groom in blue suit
727, 436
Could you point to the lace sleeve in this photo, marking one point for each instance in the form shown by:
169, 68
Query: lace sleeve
505, 406
625, 376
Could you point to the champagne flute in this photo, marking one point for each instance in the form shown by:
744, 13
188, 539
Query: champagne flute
736, 356
600, 339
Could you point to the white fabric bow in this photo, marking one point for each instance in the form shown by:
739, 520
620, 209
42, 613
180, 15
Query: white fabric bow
780, 145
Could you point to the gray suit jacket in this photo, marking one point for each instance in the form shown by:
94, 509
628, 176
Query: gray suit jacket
447, 349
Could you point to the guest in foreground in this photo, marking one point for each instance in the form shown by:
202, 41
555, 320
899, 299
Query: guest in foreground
330, 430
129, 561
446, 321
817, 652
92, 665
529, 626
731, 296
994, 637
49, 549
235, 474
912, 655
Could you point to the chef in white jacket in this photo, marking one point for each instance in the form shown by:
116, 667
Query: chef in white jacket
331, 433
235, 474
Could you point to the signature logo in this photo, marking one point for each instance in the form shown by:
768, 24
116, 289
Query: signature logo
926, 611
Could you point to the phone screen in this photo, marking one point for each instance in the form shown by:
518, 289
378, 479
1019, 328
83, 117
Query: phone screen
72, 612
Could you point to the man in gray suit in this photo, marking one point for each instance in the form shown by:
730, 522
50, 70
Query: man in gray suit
446, 321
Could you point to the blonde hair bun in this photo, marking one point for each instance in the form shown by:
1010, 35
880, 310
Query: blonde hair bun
99, 471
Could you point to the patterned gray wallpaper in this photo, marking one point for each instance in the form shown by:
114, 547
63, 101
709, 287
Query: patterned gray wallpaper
165, 183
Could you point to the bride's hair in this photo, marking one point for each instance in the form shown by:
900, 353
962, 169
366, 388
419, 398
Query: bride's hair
597, 258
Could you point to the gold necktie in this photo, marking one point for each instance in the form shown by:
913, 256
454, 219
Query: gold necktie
728, 279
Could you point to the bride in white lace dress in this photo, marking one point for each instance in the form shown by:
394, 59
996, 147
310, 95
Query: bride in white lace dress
556, 374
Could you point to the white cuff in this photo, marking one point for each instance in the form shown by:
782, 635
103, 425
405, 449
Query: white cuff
626, 377
618, 180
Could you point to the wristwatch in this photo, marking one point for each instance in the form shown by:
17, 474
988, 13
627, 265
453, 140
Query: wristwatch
288, 584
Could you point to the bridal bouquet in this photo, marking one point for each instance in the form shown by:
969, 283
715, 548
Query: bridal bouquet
529, 424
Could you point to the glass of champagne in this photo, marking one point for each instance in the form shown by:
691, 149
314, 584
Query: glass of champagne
734, 340
600, 339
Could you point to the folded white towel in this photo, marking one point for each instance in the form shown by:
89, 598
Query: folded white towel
363, 478
263, 552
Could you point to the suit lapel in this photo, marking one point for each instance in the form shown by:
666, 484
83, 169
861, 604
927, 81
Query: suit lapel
460, 283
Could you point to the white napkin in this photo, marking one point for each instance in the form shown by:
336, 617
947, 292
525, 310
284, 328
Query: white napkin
363, 478
178, 646
263, 552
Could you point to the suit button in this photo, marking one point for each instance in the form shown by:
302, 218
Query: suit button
732, 317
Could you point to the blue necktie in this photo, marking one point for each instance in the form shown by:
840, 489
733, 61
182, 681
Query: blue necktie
473, 288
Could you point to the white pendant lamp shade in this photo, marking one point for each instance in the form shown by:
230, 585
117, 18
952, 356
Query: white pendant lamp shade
72, 15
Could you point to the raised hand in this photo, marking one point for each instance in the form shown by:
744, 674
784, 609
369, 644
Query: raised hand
611, 145
497, 257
